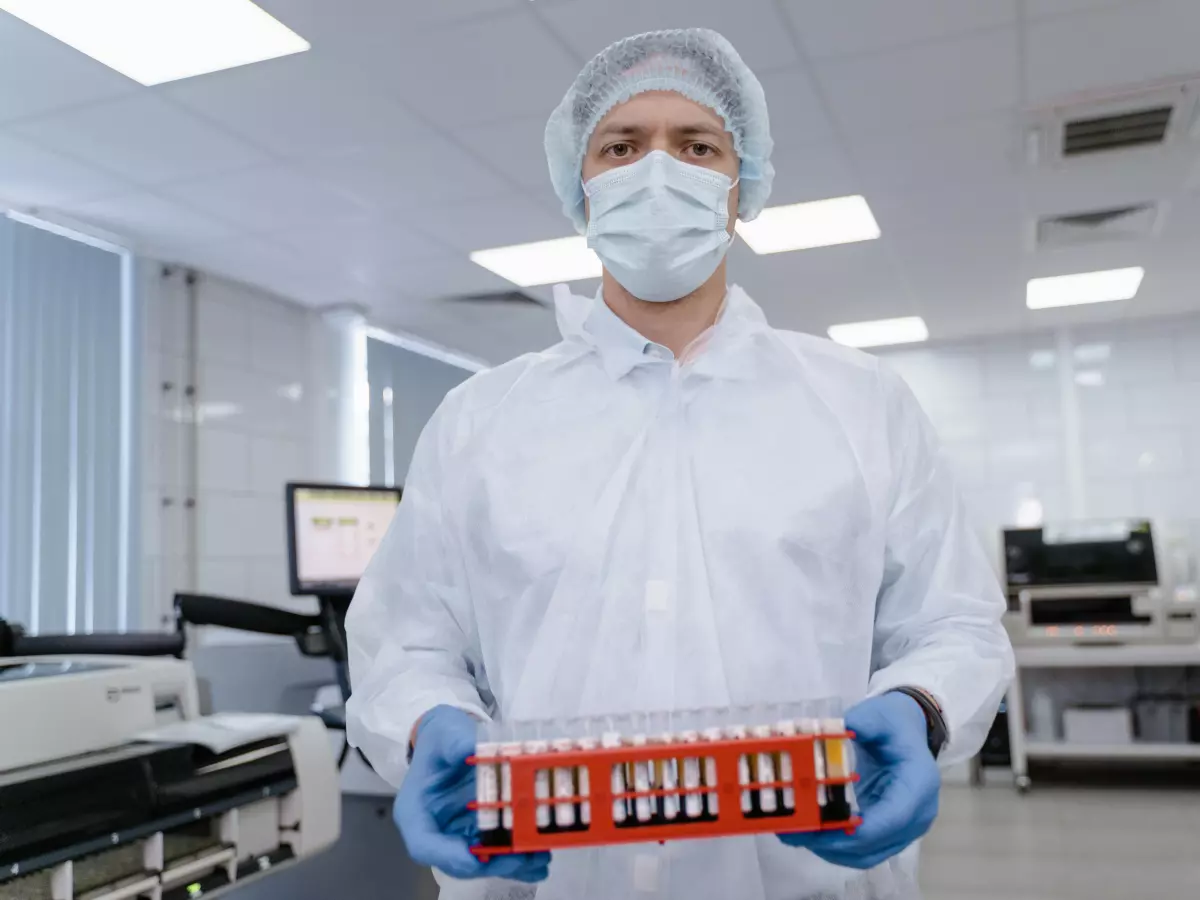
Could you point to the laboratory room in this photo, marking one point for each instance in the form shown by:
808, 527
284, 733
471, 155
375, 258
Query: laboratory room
599, 449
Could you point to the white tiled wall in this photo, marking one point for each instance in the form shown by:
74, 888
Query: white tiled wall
256, 429
999, 408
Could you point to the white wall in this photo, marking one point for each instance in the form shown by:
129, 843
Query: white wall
265, 414
1088, 422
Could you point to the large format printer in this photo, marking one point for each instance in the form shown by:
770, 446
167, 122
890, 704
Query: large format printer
112, 785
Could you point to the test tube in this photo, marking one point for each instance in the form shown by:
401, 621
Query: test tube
693, 803
507, 750
487, 788
837, 765
643, 803
712, 734
611, 740
541, 784
738, 732
669, 781
564, 787
768, 800
786, 728
813, 727
587, 742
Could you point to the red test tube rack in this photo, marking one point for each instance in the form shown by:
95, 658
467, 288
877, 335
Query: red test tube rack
546, 795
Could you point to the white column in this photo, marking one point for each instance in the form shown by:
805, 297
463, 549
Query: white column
1072, 428
341, 451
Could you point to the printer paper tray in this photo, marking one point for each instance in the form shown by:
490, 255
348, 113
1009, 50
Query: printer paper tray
14, 868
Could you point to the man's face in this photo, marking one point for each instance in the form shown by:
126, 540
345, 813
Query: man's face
667, 121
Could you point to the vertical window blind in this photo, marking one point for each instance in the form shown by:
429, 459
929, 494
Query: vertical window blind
68, 363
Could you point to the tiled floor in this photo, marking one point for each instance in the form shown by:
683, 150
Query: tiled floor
1064, 844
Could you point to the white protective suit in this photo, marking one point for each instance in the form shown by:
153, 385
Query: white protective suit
598, 529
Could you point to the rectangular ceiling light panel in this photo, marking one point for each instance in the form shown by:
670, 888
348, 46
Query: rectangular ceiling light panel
154, 41
1086, 287
881, 332
546, 262
804, 226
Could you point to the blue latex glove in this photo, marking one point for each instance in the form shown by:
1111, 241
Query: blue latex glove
898, 790
431, 808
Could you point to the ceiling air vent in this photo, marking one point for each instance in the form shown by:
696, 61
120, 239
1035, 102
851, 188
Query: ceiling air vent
1137, 128
1121, 223
503, 298
1083, 129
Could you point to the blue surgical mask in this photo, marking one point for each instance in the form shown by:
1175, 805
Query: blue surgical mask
659, 225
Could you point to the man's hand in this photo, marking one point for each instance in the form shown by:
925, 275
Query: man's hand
431, 808
898, 793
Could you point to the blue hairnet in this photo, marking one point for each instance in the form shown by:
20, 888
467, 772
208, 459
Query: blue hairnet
695, 62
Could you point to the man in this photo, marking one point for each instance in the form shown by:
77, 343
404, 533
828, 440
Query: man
675, 507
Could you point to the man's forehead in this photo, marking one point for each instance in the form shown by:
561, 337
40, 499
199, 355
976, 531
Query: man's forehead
654, 108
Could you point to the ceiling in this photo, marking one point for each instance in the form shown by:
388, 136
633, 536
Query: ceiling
366, 169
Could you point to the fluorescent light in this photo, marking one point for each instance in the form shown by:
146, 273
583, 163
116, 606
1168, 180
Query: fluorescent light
546, 262
803, 226
909, 330
1087, 287
152, 41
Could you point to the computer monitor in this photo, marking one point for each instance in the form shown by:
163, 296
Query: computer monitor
333, 531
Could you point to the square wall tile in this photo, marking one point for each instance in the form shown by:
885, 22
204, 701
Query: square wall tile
1021, 459
237, 526
222, 324
1020, 366
1103, 410
223, 458
1175, 404
1136, 453
223, 577
937, 374
1112, 498
276, 461
269, 582
279, 340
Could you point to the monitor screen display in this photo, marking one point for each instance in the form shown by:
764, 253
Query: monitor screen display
334, 532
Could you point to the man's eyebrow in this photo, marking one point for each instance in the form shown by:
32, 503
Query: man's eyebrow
703, 128
620, 130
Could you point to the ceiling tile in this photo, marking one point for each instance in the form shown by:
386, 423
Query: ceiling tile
813, 289
365, 252
261, 262
424, 171
937, 81
1112, 48
752, 26
346, 22
39, 74
1040, 9
150, 219
486, 70
449, 276
516, 148
861, 26
299, 105
142, 138
31, 176
496, 222
266, 199
953, 205
971, 150
797, 114
812, 172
